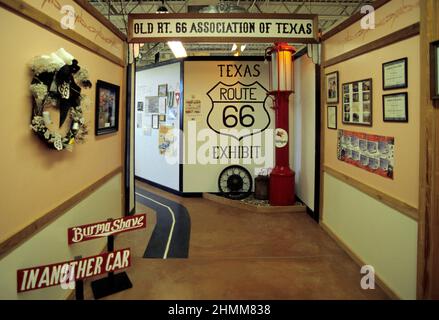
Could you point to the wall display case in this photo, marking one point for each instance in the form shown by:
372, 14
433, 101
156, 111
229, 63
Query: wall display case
357, 103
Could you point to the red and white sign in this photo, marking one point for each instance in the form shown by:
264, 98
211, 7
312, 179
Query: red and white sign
70, 271
105, 228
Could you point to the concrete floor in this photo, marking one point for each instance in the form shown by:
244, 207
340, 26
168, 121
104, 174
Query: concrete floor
236, 254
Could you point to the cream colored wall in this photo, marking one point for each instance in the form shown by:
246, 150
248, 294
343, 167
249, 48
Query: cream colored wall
379, 235
303, 129
376, 233
36, 179
405, 184
50, 244
86, 25
393, 16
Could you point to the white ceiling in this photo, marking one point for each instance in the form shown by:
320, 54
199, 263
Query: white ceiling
330, 12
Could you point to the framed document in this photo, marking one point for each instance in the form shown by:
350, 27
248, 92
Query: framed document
155, 121
395, 74
395, 107
357, 102
332, 117
332, 87
434, 70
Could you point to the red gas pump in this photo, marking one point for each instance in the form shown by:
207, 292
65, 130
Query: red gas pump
281, 190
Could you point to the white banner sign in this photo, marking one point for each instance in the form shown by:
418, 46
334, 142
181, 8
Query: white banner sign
222, 28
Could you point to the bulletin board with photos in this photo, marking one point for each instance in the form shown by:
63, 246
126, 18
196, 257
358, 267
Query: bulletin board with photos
357, 102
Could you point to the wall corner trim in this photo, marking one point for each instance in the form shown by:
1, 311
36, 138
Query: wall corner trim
27, 232
390, 201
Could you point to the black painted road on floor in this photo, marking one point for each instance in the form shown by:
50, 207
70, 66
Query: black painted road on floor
171, 235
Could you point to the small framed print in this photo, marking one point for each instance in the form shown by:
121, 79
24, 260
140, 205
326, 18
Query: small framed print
155, 121
162, 117
163, 90
395, 107
332, 87
395, 74
434, 70
107, 108
332, 117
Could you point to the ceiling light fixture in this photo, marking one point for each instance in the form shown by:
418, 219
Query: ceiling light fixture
177, 49
162, 8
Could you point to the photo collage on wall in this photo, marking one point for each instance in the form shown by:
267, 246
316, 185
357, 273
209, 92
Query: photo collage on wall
357, 102
366, 151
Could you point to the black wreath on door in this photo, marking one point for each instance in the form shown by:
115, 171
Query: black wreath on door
235, 182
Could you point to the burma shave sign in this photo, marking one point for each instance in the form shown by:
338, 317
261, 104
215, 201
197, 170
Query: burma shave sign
66, 273
105, 228
222, 27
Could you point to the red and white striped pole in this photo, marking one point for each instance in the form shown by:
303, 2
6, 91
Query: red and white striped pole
281, 191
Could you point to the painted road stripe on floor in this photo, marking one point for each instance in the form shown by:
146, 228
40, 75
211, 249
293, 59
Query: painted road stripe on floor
165, 255
170, 238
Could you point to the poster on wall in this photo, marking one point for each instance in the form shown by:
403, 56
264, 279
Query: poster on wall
152, 104
166, 138
192, 108
357, 103
369, 152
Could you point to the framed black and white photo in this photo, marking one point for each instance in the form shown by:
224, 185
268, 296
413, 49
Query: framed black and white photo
332, 117
332, 87
357, 103
434, 70
395, 107
395, 74
140, 106
155, 121
107, 108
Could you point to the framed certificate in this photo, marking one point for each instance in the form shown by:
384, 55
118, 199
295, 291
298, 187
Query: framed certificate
395, 107
332, 117
395, 74
434, 71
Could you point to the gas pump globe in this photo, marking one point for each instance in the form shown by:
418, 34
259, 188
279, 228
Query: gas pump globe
281, 189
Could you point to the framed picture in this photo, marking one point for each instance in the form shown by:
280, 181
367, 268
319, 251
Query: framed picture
332, 117
162, 117
332, 87
107, 108
357, 103
395, 74
395, 107
155, 121
163, 90
434, 70
139, 106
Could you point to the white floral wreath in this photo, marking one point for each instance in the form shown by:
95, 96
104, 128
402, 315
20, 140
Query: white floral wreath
48, 90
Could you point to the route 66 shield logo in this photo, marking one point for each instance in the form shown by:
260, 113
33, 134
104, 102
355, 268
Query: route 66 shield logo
238, 110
